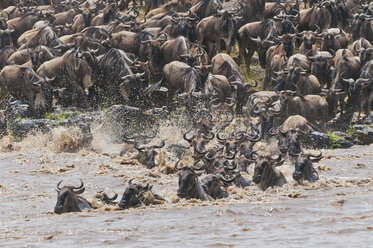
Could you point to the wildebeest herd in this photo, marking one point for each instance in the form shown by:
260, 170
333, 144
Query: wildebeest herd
317, 61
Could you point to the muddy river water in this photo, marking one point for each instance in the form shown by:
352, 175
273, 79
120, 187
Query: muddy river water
336, 211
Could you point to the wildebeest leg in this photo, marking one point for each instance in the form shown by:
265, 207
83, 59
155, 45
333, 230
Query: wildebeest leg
79, 97
4, 94
342, 103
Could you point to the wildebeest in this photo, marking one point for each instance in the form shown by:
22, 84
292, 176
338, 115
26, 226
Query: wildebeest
146, 154
291, 132
304, 169
213, 29
24, 84
265, 172
189, 185
212, 185
68, 199
136, 194
312, 107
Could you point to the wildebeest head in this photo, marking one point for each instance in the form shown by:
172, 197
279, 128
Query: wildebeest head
212, 185
147, 153
132, 86
265, 111
199, 142
189, 186
308, 37
153, 49
287, 42
359, 21
263, 170
67, 199
226, 24
263, 46
231, 142
184, 25
34, 57
304, 169
133, 194
5, 37
289, 140
242, 93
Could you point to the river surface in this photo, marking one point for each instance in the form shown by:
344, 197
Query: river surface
336, 211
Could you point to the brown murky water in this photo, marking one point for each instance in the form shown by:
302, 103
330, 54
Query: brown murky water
335, 211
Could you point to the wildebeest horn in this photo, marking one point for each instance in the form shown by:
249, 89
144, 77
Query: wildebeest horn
79, 187
186, 138
130, 182
316, 158
160, 35
278, 161
137, 147
252, 156
179, 168
198, 168
58, 185
212, 135
161, 145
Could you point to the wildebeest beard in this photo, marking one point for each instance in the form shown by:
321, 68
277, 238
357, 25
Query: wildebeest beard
225, 28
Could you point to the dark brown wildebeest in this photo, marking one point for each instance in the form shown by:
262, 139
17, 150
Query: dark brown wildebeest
23, 83
304, 169
68, 199
74, 71
213, 29
223, 64
147, 153
361, 26
206, 8
312, 107
44, 37
22, 24
179, 77
5, 53
333, 39
32, 58
189, 185
136, 194
176, 6
199, 142
5, 38
265, 172
321, 66
176, 49
249, 10
212, 185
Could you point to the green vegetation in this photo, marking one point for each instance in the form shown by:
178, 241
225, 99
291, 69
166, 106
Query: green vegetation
333, 140
61, 116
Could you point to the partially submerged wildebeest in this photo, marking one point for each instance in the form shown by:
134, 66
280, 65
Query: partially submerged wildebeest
147, 153
136, 194
189, 185
68, 199
265, 172
304, 169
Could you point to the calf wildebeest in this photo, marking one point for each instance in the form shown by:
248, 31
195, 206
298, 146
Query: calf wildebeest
68, 199
265, 172
24, 84
304, 169
136, 194
189, 185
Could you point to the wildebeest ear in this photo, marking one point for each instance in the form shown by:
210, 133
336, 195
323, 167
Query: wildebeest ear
80, 191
